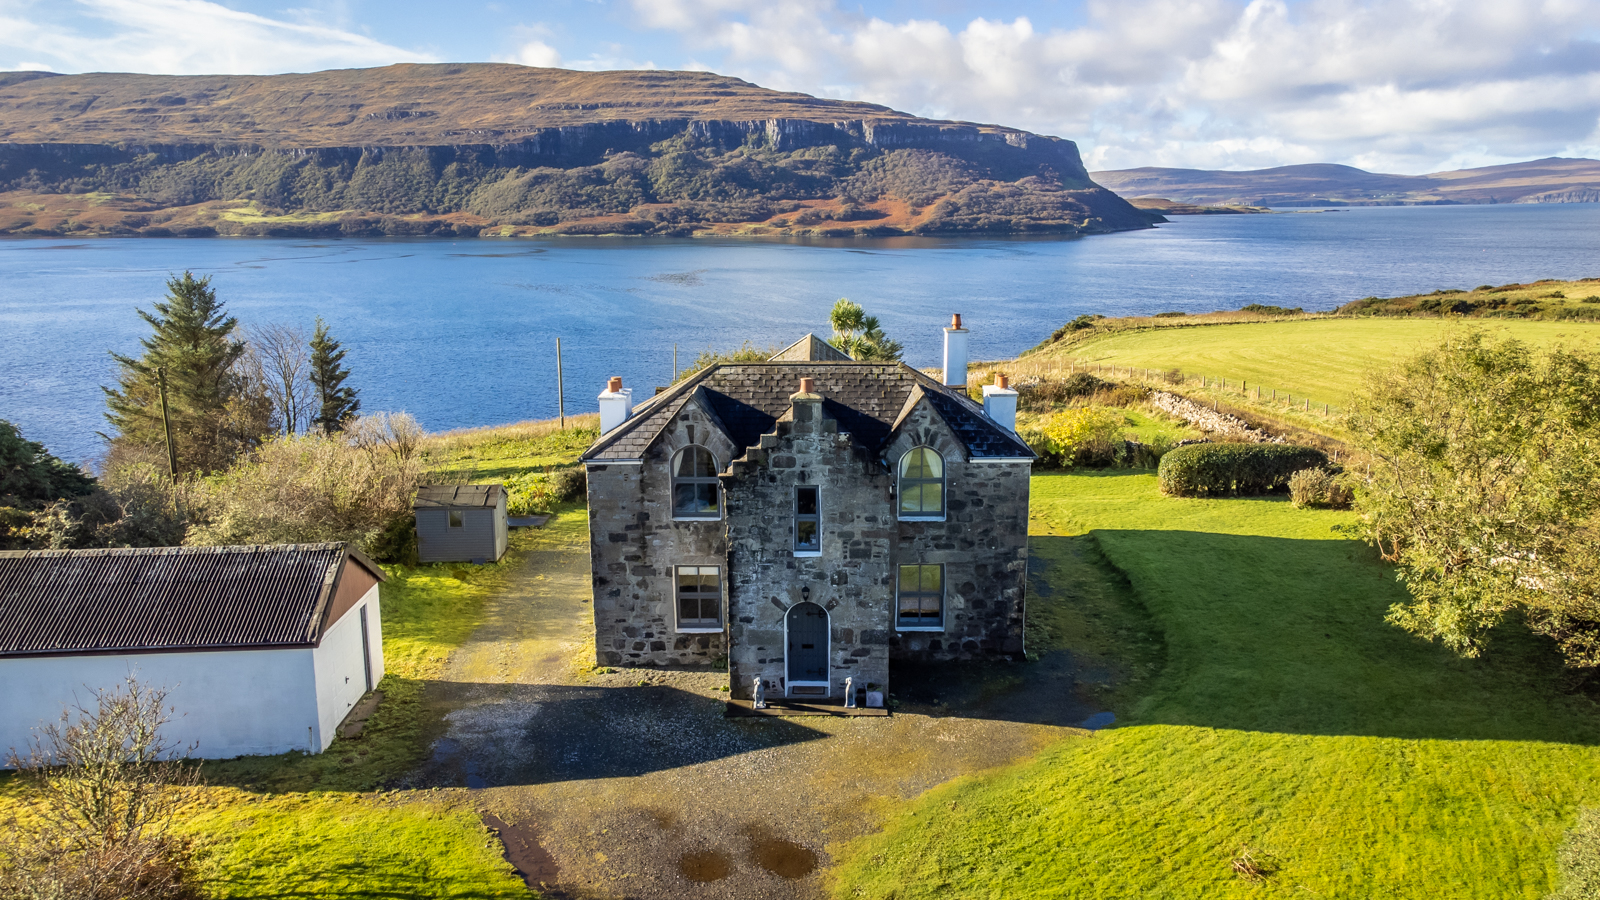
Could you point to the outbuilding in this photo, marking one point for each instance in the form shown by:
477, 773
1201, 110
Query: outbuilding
261, 649
461, 523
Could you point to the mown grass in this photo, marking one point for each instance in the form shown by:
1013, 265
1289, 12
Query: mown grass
1324, 360
1288, 718
347, 845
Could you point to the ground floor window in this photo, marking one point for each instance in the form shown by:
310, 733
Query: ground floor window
921, 596
699, 590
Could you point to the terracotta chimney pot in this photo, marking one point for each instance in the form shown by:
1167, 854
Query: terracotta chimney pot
808, 386
955, 320
1002, 382
615, 384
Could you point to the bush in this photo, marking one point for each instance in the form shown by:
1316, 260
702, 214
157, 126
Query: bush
539, 492
1318, 488
1079, 437
346, 487
1042, 395
1201, 470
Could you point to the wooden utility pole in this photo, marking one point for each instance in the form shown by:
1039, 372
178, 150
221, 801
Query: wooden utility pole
166, 422
561, 389
674, 362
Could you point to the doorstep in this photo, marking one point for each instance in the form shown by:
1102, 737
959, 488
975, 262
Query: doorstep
740, 709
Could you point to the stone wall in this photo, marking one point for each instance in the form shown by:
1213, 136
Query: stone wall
982, 542
634, 545
852, 578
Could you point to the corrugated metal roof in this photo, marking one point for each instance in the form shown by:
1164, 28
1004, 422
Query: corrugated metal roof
63, 602
455, 496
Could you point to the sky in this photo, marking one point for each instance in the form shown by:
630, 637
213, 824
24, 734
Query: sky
1403, 86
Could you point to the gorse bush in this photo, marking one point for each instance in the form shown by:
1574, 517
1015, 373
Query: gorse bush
1079, 437
1219, 470
1318, 488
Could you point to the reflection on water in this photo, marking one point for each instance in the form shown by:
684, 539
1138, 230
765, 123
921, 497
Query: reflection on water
462, 333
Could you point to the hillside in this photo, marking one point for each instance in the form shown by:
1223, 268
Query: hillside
498, 149
1553, 180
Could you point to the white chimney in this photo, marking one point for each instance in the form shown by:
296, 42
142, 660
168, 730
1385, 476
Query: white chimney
1000, 403
616, 405
955, 353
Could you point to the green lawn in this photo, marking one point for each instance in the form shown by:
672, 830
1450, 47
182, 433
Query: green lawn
1324, 360
1288, 718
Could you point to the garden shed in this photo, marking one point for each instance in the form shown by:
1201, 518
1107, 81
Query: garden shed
261, 650
461, 523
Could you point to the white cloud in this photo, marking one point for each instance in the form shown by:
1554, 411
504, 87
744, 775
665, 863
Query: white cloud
180, 37
537, 53
1401, 85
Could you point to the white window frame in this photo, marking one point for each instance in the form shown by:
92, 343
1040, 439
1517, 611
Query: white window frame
794, 528
944, 598
673, 479
677, 609
944, 486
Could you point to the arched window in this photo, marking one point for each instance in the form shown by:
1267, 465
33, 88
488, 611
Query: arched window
921, 487
695, 492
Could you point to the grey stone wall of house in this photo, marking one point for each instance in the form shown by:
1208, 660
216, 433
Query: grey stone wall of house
635, 545
851, 578
982, 542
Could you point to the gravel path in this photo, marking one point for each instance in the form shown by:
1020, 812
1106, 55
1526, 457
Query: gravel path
633, 785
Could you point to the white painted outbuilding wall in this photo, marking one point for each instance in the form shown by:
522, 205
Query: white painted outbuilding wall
227, 703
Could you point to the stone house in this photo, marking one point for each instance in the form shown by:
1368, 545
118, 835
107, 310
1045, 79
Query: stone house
809, 519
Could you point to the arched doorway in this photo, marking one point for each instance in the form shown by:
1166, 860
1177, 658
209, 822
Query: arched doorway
806, 628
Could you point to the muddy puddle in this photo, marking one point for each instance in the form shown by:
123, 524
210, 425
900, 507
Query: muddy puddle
783, 858
704, 866
522, 849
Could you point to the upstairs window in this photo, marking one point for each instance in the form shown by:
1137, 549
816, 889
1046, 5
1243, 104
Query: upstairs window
807, 519
695, 492
921, 487
699, 598
921, 597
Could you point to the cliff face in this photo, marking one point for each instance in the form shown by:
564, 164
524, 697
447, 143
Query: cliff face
512, 150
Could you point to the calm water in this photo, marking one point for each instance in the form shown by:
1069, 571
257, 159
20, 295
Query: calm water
463, 333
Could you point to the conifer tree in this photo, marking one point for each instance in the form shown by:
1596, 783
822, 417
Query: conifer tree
217, 410
336, 404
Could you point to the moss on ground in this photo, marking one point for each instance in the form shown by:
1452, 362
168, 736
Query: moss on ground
1289, 719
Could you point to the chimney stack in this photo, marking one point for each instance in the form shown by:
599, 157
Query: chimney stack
955, 353
616, 405
1000, 403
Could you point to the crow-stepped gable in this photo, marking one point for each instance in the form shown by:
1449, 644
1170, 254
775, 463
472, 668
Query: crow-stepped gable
809, 519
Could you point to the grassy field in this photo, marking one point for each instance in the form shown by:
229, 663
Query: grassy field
1349, 758
1324, 360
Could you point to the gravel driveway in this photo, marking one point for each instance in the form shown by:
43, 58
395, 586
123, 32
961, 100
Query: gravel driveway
633, 785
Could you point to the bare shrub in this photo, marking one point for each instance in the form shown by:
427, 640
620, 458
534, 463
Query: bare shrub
104, 788
316, 487
1253, 865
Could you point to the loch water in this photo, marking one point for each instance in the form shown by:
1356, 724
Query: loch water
462, 333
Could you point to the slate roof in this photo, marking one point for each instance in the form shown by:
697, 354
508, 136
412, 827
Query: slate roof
867, 399
65, 602
457, 496
811, 349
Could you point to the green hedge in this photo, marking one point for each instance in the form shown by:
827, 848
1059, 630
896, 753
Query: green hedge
1201, 470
